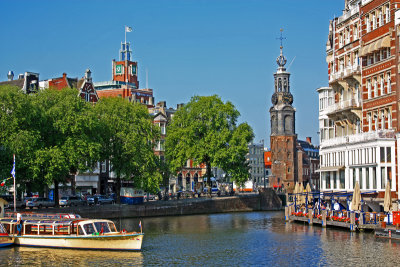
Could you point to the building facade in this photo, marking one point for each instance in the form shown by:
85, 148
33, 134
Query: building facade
358, 117
283, 135
255, 159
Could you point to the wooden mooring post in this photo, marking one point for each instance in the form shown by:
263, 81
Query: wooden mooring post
323, 213
310, 216
352, 221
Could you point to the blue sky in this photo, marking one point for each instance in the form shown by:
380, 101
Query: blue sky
202, 47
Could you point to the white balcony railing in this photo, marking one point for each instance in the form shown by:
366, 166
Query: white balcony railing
349, 13
349, 103
364, 2
359, 138
348, 71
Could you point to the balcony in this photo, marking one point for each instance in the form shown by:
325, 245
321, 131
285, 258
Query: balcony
353, 71
359, 138
350, 13
343, 105
364, 2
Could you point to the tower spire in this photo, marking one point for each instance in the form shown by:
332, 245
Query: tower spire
281, 60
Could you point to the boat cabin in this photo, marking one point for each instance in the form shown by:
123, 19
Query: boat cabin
54, 227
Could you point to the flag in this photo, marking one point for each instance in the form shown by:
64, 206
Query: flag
13, 169
128, 29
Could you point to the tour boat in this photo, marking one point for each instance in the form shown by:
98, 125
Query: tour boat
5, 238
72, 233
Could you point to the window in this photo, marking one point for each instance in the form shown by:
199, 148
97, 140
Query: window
341, 179
388, 154
328, 180
387, 15
375, 87
374, 182
383, 178
89, 228
382, 150
355, 29
373, 21
369, 88
376, 121
340, 39
389, 85
368, 24
382, 119
389, 118
380, 20
367, 179
382, 84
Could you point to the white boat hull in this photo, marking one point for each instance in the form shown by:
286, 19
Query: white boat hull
102, 242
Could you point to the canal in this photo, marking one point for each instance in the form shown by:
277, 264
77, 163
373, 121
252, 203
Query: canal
236, 239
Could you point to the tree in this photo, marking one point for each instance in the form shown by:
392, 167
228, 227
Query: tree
206, 130
128, 137
18, 134
68, 137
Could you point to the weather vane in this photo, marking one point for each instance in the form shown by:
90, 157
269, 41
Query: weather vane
281, 38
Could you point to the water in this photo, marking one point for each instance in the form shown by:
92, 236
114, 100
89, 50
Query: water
235, 239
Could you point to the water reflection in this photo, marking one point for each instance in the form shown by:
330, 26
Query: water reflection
67, 257
238, 239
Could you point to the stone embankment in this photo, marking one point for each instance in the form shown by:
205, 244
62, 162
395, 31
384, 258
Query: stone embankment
263, 201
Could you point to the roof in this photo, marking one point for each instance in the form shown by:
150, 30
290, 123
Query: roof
18, 83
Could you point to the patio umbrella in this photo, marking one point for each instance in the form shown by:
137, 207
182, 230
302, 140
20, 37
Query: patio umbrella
356, 201
295, 191
302, 196
309, 195
387, 202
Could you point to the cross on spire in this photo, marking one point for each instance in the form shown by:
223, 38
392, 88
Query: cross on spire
281, 38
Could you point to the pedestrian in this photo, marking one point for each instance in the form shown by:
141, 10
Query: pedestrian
19, 224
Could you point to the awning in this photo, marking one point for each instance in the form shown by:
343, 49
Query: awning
376, 45
330, 168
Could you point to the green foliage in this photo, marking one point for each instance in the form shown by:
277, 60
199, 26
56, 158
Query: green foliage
128, 137
206, 131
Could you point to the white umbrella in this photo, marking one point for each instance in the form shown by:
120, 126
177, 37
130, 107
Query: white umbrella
309, 195
356, 202
387, 202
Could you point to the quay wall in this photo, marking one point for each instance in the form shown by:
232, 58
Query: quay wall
263, 201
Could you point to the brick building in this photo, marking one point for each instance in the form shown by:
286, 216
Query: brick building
283, 135
358, 117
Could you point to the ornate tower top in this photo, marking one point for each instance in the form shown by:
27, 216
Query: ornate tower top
281, 59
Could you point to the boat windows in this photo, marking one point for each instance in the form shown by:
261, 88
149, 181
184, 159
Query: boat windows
89, 228
2, 229
102, 227
80, 230
112, 227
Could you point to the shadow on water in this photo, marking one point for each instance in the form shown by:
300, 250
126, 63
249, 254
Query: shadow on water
237, 239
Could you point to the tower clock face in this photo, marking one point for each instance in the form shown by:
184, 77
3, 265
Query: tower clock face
287, 98
274, 99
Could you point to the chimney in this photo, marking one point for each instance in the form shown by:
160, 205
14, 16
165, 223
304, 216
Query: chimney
10, 75
308, 139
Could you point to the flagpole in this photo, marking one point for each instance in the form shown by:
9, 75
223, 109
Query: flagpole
15, 189
125, 34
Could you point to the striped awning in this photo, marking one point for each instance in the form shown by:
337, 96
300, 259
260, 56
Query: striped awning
376, 45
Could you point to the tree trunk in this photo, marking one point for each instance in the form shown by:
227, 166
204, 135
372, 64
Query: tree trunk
55, 194
208, 174
118, 190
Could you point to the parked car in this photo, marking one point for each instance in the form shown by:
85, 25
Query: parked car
40, 202
104, 200
99, 199
71, 201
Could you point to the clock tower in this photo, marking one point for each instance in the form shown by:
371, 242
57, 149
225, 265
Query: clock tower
283, 134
